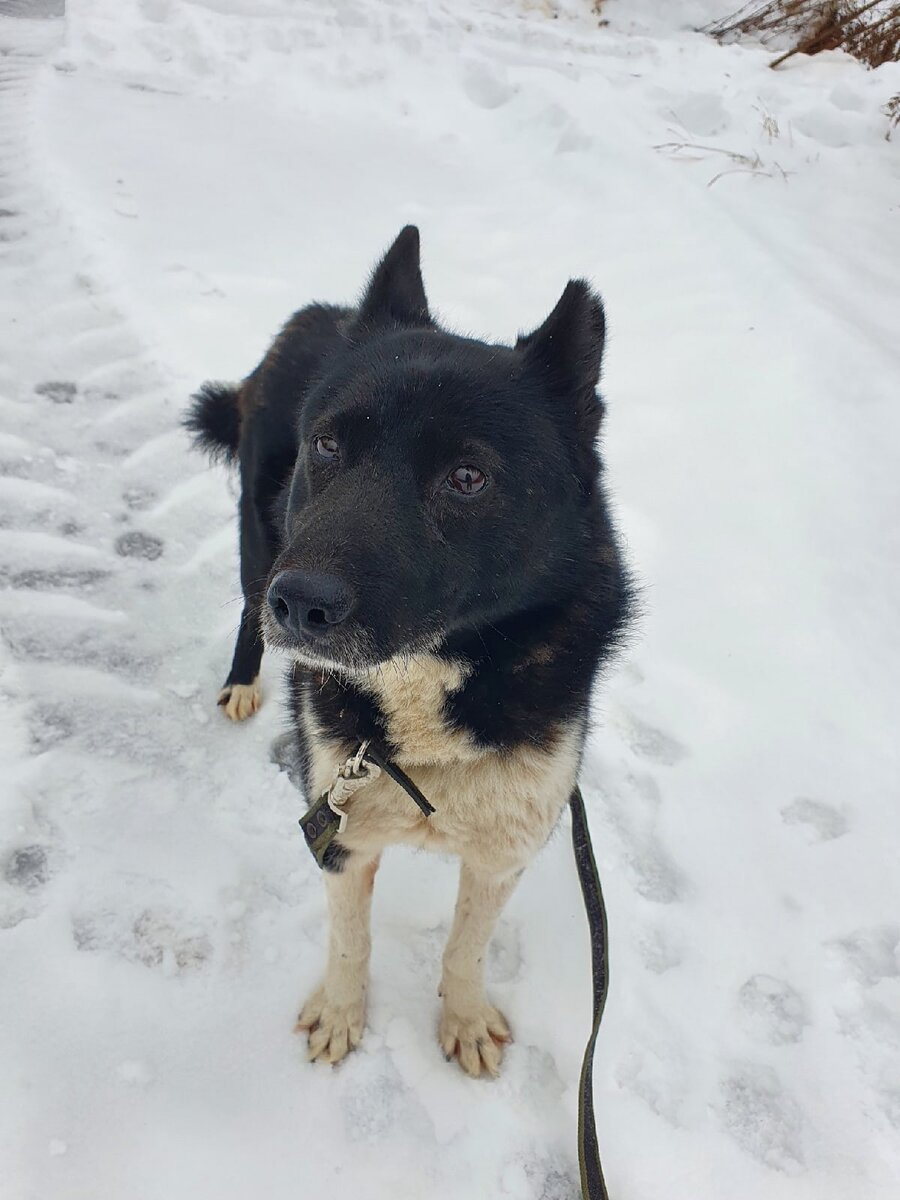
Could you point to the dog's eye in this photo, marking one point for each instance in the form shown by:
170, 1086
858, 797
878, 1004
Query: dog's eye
326, 447
467, 480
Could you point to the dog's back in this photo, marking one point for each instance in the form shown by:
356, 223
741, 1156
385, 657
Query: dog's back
254, 424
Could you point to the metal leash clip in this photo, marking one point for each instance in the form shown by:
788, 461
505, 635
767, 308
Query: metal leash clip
350, 776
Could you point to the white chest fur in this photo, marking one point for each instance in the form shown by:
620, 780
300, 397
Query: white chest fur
494, 808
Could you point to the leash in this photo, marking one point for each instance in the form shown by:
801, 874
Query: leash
593, 1185
326, 818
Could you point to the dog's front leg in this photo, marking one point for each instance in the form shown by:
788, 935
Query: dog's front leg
471, 1028
335, 1014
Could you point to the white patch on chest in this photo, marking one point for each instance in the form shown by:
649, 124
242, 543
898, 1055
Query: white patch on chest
494, 808
412, 694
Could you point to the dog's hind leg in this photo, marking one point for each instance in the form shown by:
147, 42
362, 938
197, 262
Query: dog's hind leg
241, 694
471, 1029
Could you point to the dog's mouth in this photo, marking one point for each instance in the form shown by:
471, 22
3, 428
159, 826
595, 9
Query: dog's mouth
323, 622
348, 649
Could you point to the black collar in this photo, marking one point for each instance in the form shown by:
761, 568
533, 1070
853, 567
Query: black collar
325, 819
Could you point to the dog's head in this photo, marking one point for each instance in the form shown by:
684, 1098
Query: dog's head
441, 484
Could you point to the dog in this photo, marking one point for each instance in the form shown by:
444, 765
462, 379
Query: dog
424, 532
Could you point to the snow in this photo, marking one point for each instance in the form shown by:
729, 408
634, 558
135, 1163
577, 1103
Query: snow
175, 178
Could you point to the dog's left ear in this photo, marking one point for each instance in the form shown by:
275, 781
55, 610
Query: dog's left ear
566, 352
396, 294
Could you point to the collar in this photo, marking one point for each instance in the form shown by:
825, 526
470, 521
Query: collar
325, 819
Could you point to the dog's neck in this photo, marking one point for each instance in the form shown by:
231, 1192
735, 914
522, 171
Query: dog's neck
523, 681
412, 694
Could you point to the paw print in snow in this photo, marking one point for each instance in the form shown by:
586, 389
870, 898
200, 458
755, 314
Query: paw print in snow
771, 1010
139, 545
820, 822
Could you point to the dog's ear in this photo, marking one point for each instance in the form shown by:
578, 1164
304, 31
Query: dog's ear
566, 352
565, 355
396, 294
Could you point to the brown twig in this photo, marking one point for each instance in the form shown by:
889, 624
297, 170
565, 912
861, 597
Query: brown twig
826, 32
867, 29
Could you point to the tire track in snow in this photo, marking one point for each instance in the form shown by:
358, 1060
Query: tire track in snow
75, 566
132, 854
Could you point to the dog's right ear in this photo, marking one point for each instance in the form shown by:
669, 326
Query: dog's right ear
567, 350
396, 294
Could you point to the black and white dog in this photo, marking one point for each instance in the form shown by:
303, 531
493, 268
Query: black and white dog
423, 530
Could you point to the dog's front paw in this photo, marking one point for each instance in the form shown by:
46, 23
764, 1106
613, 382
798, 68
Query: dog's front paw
334, 1027
474, 1034
240, 700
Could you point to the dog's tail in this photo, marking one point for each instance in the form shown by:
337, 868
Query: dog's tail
214, 418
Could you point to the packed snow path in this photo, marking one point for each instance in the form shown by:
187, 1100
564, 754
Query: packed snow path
174, 179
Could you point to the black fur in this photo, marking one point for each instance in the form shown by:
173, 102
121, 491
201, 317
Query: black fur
522, 581
215, 421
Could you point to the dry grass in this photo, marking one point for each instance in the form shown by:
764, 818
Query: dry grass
867, 29
744, 164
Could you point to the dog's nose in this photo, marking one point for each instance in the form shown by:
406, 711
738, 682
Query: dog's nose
307, 604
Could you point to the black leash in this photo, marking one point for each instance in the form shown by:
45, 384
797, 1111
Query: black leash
373, 754
324, 820
593, 1185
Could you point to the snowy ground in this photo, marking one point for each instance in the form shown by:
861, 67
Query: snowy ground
175, 177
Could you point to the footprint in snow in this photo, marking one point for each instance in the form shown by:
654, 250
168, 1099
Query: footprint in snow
656, 875
60, 391
27, 868
875, 1030
88, 647
820, 822
40, 578
771, 1010
761, 1118
646, 741
375, 1100
49, 725
110, 727
157, 938
655, 1074
871, 954
138, 497
551, 1178
544, 1083
139, 545
658, 950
